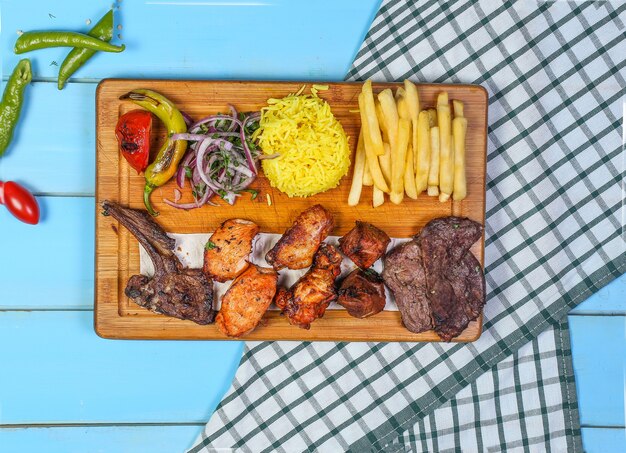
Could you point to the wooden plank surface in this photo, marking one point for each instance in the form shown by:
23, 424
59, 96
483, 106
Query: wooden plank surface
604, 440
52, 151
599, 353
226, 39
51, 264
61, 372
177, 438
100, 439
117, 257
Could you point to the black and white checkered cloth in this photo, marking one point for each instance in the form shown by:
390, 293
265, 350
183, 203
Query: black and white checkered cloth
554, 235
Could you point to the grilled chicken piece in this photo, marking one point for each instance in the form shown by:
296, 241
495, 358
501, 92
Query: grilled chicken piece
247, 300
362, 293
173, 290
226, 254
364, 244
309, 297
296, 247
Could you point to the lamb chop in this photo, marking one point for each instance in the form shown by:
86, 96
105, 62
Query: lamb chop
173, 290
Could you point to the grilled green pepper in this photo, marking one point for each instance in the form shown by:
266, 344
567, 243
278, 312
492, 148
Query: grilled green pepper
77, 57
12, 99
34, 40
164, 166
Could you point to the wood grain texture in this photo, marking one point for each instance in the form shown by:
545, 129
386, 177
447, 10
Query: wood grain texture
117, 254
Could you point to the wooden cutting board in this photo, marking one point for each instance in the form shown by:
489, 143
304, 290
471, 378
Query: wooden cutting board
117, 251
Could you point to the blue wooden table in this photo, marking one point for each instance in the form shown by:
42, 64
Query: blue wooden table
62, 388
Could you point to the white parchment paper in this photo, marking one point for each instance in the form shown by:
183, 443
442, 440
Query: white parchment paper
190, 250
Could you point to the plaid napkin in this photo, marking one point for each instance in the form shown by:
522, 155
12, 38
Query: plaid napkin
554, 71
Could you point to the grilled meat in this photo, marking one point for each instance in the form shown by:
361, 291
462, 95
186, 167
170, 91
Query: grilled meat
309, 297
173, 290
454, 277
362, 293
435, 278
296, 247
228, 249
404, 275
247, 300
364, 244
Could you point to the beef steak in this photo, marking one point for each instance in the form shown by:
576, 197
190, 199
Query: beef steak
404, 275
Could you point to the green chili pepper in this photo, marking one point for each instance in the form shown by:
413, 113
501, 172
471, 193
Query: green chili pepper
164, 166
103, 31
34, 40
11, 104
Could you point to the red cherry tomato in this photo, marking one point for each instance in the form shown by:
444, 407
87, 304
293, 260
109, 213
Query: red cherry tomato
133, 135
20, 202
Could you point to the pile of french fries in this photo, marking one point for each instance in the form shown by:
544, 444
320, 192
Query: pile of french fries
403, 150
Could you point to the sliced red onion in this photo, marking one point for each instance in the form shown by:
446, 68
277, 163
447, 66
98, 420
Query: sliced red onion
180, 176
185, 206
217, 133
208, 119
189, 137
177, 195
187, 118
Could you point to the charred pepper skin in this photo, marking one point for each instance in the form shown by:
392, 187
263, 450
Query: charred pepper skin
12, 100
166, 162
77, 57
34, 40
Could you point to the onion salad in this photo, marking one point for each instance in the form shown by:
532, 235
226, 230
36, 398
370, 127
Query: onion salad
221, 159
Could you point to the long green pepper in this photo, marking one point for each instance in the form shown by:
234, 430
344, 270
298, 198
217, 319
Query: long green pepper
12, 100
34, 40
103, 31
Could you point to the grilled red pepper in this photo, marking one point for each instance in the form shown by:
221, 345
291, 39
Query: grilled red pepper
20, 202
133, 135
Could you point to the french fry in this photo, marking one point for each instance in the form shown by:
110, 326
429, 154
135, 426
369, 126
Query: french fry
367, 175
400, 93
398, 160
446, 152
413, 104
422, 158
378, 197
389, 113
433, 170
385, 162
404, 112
409, 176
368, 115
372, 157
382, 123
459, 131
448, 174
357, 174
432, 117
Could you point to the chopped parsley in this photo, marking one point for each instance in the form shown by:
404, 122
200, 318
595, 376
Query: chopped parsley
254, 193
209, 245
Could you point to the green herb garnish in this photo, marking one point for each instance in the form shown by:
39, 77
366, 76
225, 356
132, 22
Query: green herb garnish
209, 245
254, 193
